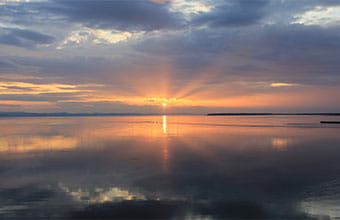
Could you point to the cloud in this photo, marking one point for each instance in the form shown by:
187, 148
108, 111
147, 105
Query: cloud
7, 88
121, 15
234, 14
24, 38
323, 16
5, 65
87, 36
282, 84
229, 52
306, 54
285, 53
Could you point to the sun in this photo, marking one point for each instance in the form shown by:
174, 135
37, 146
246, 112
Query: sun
164, 104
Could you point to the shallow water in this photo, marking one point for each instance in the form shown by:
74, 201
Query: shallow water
184, 167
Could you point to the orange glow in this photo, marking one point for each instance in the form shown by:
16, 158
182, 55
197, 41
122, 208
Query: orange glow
15, 102
280, 143
164, 124
159, 130
18, 144
287, 99
8, 88
165, 147
200, 91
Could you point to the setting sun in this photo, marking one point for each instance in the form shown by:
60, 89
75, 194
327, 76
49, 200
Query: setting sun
157, 109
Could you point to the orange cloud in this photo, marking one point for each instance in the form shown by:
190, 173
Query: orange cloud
34, 89
283, 84
16, 102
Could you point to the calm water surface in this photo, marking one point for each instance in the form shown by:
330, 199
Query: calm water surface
178, 167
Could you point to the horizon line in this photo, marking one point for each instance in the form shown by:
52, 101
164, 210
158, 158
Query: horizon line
68, 114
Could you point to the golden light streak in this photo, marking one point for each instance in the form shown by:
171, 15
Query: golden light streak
15, 102
282, 84
165, 148
239, 101
7, 88
164, 124
156, 84
198, 92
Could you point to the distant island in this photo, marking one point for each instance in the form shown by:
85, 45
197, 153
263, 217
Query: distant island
245, 114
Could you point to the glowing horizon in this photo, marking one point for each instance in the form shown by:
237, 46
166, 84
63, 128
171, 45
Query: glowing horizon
195, 57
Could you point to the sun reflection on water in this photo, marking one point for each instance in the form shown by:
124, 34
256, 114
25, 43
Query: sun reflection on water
164, 124
113, 159
165, 151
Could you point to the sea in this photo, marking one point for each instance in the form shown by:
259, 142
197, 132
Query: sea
170, 167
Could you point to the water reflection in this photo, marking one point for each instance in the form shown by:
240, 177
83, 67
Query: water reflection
182, 166
280, 143
25, 144
100, 195
164, 124
165, 150
322, 208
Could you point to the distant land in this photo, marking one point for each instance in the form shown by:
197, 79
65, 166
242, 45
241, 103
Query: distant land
246, 114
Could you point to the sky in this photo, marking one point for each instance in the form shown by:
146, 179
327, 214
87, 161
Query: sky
199, 56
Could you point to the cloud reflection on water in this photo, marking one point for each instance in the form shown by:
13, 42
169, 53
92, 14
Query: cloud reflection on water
100, 195
184, 164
